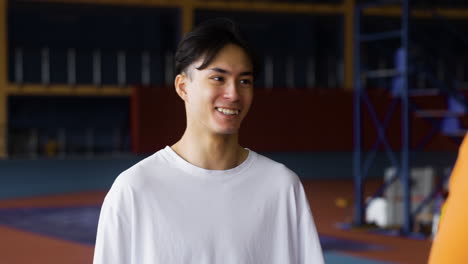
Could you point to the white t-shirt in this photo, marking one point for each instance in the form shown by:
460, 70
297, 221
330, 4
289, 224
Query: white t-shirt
164, 210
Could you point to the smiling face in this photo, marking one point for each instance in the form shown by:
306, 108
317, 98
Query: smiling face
218, 97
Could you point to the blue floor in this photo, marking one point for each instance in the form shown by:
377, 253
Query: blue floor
78, 224
335, 243
333, 257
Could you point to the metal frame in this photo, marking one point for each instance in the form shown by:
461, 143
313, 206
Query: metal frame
401, 163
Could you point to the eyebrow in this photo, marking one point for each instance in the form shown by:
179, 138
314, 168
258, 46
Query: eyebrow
220, 70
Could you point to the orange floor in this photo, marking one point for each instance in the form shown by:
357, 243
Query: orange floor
18, 247
322, 196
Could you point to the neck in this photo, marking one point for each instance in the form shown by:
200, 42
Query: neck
213, 152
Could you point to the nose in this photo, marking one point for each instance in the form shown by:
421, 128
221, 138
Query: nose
231, 91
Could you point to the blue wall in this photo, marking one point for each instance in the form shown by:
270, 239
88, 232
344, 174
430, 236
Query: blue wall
22, 178
25, 178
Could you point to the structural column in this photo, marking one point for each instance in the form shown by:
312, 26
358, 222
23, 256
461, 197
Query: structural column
187, 16
348, 31
3, 79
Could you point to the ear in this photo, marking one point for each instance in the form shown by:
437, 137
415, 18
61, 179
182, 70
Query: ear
180, 84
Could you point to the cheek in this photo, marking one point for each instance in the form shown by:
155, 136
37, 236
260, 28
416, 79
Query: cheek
201, 101
193, 103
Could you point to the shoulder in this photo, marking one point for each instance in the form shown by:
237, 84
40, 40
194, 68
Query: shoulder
275, 171
138, 176
145, 168
282, 183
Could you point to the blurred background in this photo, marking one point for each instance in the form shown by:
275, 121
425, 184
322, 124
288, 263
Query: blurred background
365, 100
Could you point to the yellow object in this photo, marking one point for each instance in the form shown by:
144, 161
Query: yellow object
341, 202
51, 148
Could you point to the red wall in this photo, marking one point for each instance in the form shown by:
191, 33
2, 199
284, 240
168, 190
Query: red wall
279, 120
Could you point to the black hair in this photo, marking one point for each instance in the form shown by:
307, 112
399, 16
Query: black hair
207, 39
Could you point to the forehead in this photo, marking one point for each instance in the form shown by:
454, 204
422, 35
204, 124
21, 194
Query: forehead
231, 58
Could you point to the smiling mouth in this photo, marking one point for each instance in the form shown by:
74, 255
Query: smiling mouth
227, 111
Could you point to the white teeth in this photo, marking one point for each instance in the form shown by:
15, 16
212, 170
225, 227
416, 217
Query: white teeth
227, 111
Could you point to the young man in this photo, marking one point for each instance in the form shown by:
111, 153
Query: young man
206, 199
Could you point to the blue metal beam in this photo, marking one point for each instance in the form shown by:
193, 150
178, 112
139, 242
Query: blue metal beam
405, 166
360, 96
358, 199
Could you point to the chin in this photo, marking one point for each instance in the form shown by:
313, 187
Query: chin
227, 131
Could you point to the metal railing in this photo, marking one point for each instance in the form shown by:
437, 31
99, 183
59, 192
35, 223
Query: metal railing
155, 69
62, 143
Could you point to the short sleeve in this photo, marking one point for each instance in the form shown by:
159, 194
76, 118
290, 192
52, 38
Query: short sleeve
113, 240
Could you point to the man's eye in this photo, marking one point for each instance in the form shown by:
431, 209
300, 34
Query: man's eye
245, 81
219, 79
